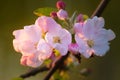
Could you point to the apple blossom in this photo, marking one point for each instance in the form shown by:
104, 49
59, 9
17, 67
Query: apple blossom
59, 39
26, 39
92, 38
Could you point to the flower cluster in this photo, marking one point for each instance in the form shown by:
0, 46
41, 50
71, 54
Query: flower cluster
46, 38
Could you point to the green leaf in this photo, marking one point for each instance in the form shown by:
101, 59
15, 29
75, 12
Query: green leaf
47, 61
18, 78
44, 11
73, 17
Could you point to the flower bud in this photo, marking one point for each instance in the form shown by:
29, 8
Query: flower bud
53, 14
80, 18
60, 4
62, 14
74, 48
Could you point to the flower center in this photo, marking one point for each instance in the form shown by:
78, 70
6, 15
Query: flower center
90, 43
56, 39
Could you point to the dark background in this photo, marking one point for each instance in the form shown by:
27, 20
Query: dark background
14, 14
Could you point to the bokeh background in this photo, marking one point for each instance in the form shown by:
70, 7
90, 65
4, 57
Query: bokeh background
14, 14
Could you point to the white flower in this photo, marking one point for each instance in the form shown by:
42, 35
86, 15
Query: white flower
92, 38
59, 39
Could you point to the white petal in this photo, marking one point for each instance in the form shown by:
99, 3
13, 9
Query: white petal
83, 47
62, 49
87, 53
16, 45
110, 34
88, 29
98, 22
101, 50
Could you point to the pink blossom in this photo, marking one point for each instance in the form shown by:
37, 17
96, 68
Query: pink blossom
59, 39
26, 39
92, 38
62, 14
46, 24
31, 60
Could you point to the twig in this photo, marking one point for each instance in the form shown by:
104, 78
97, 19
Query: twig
34, 72
58, 64
99, 10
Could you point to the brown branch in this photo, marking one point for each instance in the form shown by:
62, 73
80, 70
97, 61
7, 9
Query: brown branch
99, 10
33, 72
56, 66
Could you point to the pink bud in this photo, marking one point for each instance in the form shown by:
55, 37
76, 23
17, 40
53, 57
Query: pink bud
53, 14
74, 48
60, 4
80, 18
62, 14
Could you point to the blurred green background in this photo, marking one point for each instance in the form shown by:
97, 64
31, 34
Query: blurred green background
14, 14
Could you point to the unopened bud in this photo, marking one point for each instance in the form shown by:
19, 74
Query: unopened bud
53, 14
80, 18
62, 14
60, 4
73, 47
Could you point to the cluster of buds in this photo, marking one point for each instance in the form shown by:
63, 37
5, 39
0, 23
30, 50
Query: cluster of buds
47, 39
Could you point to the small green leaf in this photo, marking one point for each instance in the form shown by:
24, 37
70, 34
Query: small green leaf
47, 61
18, 78
44, 11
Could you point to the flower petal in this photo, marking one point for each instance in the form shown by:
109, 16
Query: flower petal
100, 50
78, 27
45, 50
88, 29
98, 22
46, 24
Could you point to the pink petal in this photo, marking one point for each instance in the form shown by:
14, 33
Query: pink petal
74, 48
46, 24
31, 60
45, 50
27, 47
78, 27
28, 33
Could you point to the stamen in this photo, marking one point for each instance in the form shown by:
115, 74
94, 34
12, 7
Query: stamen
56, 39
90, 43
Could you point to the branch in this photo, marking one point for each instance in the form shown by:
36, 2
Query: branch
57, 65
34, 72
99, 10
